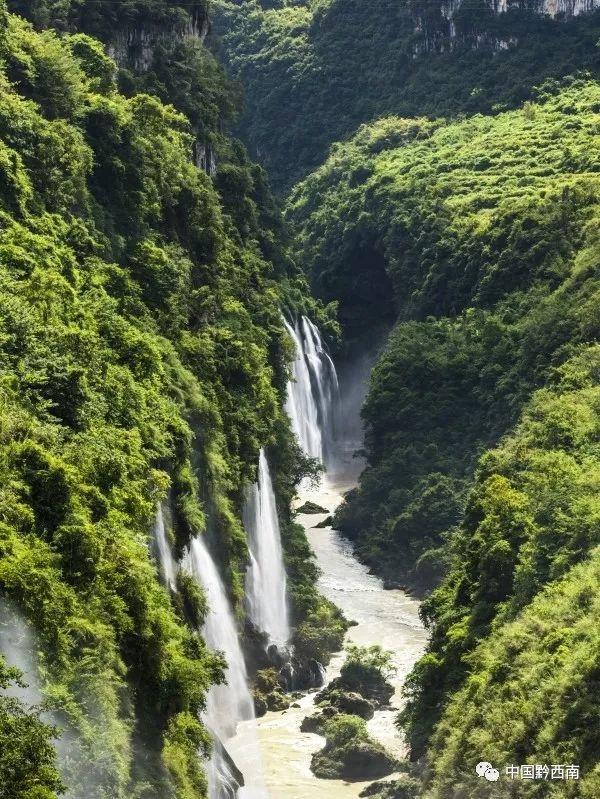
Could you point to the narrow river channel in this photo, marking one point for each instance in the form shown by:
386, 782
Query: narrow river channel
389, 618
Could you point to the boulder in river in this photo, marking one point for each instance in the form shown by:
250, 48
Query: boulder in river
311, 508
350, 753
350, 702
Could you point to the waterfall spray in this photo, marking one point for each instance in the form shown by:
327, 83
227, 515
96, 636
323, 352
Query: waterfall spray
231, 703
265, 579
166, 561
313, 392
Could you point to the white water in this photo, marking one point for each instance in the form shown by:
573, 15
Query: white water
312, 393
388, 618
266, 578
230, 703
166, 561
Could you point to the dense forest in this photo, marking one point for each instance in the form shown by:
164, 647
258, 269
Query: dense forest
452, 211
314, 70
143, 360
437, 178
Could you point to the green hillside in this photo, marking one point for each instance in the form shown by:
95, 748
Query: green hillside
481, 238
312, 72
142, 358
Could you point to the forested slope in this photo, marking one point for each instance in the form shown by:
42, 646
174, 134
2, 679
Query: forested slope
480, 237
312, 72
143, 359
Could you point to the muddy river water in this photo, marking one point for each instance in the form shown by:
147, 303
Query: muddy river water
389, 618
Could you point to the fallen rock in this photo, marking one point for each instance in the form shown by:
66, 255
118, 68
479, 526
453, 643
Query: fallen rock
357, 761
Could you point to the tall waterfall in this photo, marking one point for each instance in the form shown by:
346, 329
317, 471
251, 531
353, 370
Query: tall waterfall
265, 579
166, 561
231, 703
313, 393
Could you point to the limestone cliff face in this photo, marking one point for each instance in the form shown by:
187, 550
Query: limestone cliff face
463, 22
551, 8
134, 45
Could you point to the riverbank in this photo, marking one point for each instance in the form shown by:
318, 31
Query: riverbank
389, 618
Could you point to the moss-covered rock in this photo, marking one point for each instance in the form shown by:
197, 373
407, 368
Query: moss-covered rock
311, 508
268, 693
350, 753
348, 702
316, 722
405, 788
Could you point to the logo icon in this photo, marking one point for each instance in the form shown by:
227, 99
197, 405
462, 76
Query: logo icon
485, 769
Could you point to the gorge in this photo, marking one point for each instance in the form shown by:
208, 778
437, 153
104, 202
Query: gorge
299, 487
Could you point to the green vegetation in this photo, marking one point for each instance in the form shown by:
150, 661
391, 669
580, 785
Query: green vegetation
533, 689
314, 71
532, 515
143, 358
350, 753
482, 416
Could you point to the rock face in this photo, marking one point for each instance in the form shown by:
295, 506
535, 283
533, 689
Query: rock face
457, 25
551, 8
134, 46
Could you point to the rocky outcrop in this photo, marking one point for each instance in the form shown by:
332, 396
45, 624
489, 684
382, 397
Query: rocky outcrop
204, 158
459, 24
350, 753
551, 8
134, 45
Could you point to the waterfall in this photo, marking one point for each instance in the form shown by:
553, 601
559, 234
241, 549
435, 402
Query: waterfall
265, 579
20, 648
230, 703
166, 561
313, 392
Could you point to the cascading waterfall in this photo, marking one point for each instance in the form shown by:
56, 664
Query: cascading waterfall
325, 377
166, 561
313, 393
231, 703
266, 578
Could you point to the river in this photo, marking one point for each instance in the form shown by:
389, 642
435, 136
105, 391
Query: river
386, 617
